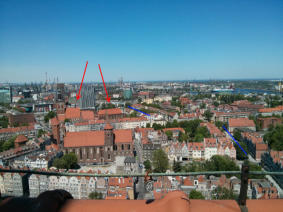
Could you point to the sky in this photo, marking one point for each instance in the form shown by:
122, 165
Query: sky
140, 40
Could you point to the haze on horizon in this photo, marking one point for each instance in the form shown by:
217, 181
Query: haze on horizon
140, 40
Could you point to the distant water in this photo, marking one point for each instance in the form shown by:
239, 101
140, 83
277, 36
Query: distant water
247, 91
242, 91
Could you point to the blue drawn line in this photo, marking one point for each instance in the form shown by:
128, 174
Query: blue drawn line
234, 139
138, 110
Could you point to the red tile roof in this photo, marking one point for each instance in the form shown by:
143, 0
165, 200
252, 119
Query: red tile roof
174, 129
113, 111
85, 138
95, 138
188, 182
270, 110
123, 136
61, 117
72, 113
17, 129
87, 114
54, 121
108, 127
241, 122
261, 147
20, 139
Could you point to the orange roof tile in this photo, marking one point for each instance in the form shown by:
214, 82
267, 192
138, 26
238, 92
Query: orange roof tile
86, 138
261, 147
113, 111
123, 136
72, 113
87, 114
108, 127
270, 110
241, 122
61, 117
95, 138
174, 129
54, 121
20, 139
17, 129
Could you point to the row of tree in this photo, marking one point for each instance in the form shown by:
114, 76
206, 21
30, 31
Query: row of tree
49, 116
274, 137
219, 193
68, 161
8, 144
193, 130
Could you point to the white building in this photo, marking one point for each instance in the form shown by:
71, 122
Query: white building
210, 145
33, 185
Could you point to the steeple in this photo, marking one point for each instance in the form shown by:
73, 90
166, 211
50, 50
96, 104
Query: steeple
108, 132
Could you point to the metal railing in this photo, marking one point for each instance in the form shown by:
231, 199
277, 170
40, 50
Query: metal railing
244, 176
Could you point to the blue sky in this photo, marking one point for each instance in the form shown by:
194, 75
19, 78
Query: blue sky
140, 40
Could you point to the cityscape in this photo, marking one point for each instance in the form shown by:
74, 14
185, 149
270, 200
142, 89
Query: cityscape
95, 136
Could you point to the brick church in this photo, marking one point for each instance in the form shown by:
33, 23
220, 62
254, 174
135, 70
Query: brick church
99, 146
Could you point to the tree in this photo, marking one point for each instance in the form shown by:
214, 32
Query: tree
182, 137
220, 124
6, 145
254, 167
201, 133
95, 195
68, 161
177, 166
148, 125
160, 161
59, 163
202, 105
194, 194
208, 115
169, 134
50, 115
157, 126
221, 193
274, 137
134, 114
237, 135
240, 155
147, 165
215, 103
4, 122
67, 120
221, 163
40, 133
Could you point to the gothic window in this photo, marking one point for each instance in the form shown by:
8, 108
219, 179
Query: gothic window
122, 147
129, 146
115, 147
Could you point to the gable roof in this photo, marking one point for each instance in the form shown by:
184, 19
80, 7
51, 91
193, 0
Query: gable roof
241, 122
72, 113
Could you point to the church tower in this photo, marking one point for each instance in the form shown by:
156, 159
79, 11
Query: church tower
109, 138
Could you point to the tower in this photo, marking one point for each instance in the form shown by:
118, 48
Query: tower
56, 129
108, 132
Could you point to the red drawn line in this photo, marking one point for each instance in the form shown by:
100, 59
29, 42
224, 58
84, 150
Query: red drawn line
107, 98
79, 94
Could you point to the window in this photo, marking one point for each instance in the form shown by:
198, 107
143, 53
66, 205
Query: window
122, 147
129, 146
108, 156
115, 147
